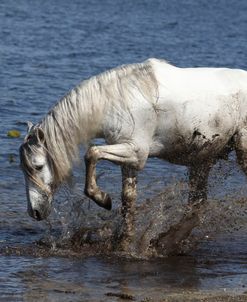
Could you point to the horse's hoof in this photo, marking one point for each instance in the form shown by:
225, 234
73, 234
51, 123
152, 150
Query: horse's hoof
107, 204
104, 201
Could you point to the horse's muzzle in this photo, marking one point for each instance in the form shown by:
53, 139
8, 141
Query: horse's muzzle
39, 214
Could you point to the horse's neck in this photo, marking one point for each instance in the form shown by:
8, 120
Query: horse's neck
91, 107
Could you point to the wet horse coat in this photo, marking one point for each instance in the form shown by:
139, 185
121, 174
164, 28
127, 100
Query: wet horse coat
188, 116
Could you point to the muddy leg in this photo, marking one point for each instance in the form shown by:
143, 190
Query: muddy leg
128, 205
198, 181
170, 241
91, 188
128, 154
241, 149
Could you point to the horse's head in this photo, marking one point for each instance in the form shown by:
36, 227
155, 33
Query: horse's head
36, 164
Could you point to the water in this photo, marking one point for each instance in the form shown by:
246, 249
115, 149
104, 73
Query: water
49, 47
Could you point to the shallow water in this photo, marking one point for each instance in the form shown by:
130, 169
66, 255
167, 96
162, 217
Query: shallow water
46, 49
114, 279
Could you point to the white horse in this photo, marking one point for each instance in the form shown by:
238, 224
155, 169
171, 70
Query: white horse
188, 116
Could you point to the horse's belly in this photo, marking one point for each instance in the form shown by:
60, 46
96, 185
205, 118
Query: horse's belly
191, 148
194, 131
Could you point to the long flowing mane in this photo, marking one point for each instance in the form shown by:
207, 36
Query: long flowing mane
77, 117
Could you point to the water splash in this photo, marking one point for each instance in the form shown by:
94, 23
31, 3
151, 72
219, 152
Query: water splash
162, 228
164, 224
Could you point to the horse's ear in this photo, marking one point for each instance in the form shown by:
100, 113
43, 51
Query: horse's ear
29, 126
40, 135
34, 135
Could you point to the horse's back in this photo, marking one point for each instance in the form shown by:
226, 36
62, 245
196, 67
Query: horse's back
196, 82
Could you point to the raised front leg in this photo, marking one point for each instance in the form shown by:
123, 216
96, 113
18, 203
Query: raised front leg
122, 154
91, 188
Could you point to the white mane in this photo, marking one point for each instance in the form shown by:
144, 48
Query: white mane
78, 116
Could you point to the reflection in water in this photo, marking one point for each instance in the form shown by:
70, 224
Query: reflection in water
92, 279
95, 278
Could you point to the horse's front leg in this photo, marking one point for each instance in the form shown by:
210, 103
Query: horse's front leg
91, 188
122, 154
129, 194
131, 158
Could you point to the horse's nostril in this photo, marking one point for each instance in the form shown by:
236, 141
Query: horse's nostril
36, 215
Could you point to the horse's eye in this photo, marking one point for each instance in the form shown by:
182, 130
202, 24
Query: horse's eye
38, 168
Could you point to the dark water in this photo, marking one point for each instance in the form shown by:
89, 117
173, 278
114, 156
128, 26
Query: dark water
46, 48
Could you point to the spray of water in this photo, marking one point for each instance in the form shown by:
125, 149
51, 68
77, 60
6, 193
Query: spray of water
164, 224
78, 225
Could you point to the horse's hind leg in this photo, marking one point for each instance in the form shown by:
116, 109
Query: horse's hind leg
170, 240
240, 140
198, 182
